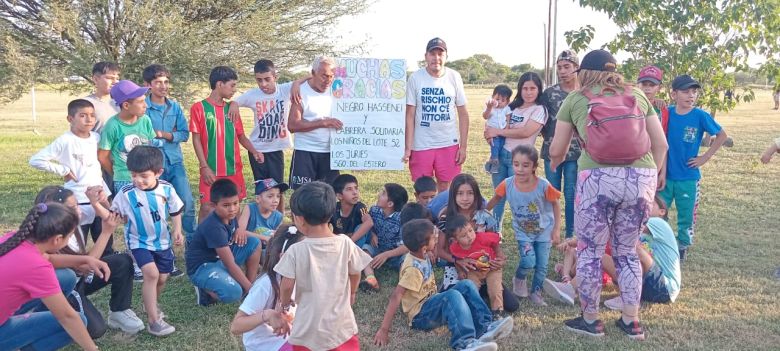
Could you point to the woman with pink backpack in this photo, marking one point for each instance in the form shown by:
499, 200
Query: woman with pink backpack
624, 148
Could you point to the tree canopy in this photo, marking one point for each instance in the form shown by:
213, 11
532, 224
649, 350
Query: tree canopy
707, 39
190, 37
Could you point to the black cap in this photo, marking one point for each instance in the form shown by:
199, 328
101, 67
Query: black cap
599, 60
436, 43
684, 82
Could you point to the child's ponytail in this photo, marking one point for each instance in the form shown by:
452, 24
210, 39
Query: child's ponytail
43, 221
285, 236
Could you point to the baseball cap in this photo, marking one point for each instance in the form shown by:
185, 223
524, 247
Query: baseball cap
684, 82
125, 90
599, 60
650, 74
269, 183
569, 55
436, 43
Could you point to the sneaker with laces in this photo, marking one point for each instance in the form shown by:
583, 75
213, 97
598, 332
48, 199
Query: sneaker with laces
580, 326
126, 321
476, 345
537, 299
138, 276
202, 298
615, 304
633, 330
498, 330
176, 272
562, 292
160, 313
520, 287
160, 328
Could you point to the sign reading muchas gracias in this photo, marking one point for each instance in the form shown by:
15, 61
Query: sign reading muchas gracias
369, 97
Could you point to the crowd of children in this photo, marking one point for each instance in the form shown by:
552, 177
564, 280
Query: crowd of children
299, 278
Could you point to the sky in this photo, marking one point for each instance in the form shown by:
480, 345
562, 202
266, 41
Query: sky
510, 31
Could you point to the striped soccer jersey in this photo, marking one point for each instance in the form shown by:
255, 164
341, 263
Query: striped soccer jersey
218, 136
147, 213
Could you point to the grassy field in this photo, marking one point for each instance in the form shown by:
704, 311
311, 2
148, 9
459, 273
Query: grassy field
728, 301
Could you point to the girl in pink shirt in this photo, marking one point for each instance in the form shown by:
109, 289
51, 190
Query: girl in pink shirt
27, 273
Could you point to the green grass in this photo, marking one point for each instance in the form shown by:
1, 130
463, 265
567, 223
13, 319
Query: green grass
728, 300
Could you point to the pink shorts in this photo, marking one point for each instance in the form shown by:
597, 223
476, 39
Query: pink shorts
353, 344
441, 162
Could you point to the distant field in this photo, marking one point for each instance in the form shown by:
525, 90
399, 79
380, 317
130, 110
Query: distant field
729, 300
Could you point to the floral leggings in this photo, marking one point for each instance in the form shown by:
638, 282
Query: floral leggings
611, 203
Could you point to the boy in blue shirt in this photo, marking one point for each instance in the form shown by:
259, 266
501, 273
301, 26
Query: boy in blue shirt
214, 254
679, 180
171, 127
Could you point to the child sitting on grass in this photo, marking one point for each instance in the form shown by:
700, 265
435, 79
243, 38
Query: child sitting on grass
325, 270
386, 245
215, 254
263, 327
482, 248
460, 308
261, 216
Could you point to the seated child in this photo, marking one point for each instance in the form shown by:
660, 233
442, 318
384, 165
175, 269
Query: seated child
215, 251
261, 217
325, 270
460, 308
497, 116
386, 243
146, 203
424, 190
483, 248
257, 318
351, 217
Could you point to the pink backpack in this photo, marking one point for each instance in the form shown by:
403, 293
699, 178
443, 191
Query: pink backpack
615, 128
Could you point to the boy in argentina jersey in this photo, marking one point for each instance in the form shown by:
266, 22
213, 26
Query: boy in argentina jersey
146, 204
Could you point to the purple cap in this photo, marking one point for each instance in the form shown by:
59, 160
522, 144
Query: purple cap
264, 184
125, 90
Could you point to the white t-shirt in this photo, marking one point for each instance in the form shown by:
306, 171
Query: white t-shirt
70, 153
321, 269
271, 111
519, 118
316, 106
104, 109
259, 298
498, 117
436, 113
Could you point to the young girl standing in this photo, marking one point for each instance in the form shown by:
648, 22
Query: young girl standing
28, 274
263, 327
536, 219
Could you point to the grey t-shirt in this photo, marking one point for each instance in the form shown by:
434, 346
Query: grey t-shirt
104, 109
552, 98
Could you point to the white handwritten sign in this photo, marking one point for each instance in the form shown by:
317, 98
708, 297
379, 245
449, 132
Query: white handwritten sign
370, 99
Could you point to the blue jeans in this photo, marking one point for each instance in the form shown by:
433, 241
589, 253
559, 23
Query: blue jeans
568, 171
505, 170
461, 308
177, 176
67, 279
214, 276
39, 330
496, 147
533, 255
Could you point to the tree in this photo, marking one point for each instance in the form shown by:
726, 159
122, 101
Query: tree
705, 38
190, 37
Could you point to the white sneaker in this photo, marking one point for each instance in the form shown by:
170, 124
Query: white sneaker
498, 330
476, 345
562, 292
125, 320
615, 304
520, 287
160, 328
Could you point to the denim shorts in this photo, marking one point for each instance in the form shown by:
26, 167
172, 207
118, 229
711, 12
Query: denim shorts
654, 287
